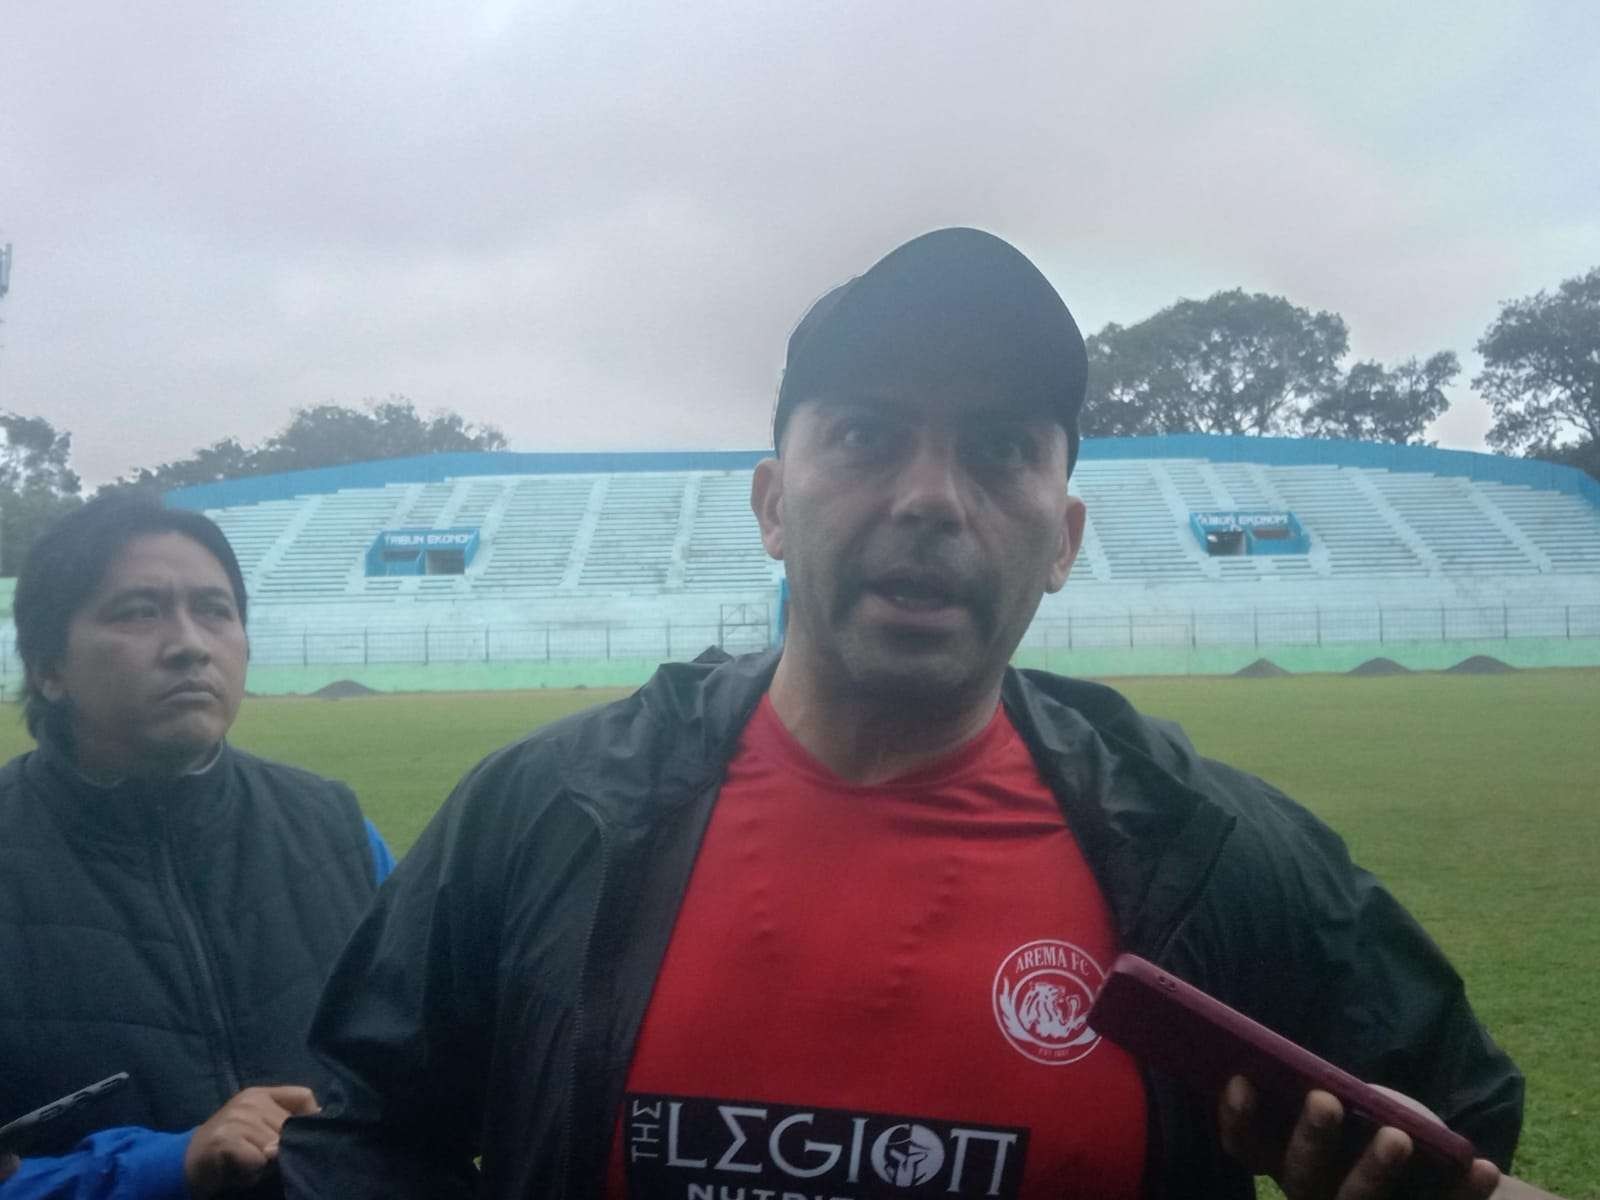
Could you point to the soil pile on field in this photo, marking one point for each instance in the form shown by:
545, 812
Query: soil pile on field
1262, 668
1380, 666
343, 689
1480, 664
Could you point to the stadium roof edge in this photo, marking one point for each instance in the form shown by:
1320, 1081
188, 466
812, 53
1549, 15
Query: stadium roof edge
1268, 451
435, 468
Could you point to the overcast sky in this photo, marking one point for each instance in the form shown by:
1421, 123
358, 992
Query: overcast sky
594, 225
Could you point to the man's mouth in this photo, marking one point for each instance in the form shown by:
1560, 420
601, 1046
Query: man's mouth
190, 689
916, 594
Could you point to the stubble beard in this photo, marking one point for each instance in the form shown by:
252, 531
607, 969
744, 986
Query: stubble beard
905, 675
901, 673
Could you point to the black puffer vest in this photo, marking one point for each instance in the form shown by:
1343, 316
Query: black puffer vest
180, 932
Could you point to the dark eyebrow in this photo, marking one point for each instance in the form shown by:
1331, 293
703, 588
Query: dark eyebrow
155, 595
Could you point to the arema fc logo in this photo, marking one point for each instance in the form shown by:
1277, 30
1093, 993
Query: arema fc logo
1042, 994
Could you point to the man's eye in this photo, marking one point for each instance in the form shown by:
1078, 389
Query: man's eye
862, 435
1005, 448
136, 612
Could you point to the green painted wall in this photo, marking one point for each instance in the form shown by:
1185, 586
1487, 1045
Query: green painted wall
1225, 660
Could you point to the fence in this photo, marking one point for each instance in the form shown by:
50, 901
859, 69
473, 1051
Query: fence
1315, 626
551, 642
748, 630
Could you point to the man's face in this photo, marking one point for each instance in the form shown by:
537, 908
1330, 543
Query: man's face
919, 527
155, 660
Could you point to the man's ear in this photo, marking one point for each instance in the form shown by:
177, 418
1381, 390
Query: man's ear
47, 682
1071, 541
766, 501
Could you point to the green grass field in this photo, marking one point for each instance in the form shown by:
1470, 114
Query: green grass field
1477, 798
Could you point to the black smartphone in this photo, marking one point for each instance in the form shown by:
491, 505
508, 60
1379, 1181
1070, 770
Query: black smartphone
15, 1136
1200, 1041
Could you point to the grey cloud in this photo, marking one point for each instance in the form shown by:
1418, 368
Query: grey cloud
596, 224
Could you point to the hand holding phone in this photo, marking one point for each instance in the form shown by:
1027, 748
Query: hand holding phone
1181, 1031
15, 1136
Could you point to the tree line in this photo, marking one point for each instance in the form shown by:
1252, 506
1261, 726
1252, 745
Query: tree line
1235, 362
1256, 364
37, 484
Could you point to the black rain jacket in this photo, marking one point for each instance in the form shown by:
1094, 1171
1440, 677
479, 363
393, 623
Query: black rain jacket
489, 1003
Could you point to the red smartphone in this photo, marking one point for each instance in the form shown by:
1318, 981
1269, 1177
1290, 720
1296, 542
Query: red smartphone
1200, 1041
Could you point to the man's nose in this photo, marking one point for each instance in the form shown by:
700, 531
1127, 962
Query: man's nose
186, 640
928, 486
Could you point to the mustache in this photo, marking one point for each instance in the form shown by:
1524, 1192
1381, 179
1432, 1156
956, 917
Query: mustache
930, 563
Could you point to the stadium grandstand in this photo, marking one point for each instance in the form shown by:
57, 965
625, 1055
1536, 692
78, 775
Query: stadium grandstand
1201, 553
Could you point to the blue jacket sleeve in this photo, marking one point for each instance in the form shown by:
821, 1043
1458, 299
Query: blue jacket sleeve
124, 1163
382, 859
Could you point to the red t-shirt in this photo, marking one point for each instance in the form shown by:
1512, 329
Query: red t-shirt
880, 991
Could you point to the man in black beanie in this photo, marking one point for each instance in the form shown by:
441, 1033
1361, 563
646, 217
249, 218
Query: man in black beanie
828, 921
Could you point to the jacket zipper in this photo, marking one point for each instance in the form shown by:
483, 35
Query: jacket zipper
205, 978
